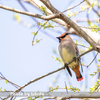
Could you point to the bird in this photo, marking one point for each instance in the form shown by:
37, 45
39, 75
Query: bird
68, 50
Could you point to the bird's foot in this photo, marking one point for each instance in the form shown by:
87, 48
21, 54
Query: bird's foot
66, 64
74, 59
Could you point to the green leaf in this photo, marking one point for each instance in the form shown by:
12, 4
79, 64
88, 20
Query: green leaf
90, 9
58, 59
35, 33
52, 20
30, 98
99, 60
82, 63
81, 44
98, 80
76, 42
4, 90
44, 10
90, 46
17, 17
92, 75
94, 3
69, 14
82, 8
1, 89
98, 65
38, 40
6, 81
40, 24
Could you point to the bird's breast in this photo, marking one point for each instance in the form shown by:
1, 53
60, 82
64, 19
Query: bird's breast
67, 55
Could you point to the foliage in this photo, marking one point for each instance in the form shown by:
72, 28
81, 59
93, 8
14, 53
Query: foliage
58, 59
95, 87
74, 89
44, 10
98, 70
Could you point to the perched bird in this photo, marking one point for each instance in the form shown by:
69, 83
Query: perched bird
68, 50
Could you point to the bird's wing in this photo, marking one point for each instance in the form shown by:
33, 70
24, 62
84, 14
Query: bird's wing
77, 53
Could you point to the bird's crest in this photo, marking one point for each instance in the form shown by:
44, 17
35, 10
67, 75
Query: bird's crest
64, 35
60, 38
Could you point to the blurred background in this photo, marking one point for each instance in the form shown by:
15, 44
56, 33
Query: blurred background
20, 62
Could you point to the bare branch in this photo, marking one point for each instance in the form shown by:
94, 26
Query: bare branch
10, 82
80, 26
73, 7
37, 32
72, 24
66, 88
64, 95
93, 8
90, 27
82, 46
92, 60
44, 32
30, 14
80, 95
38, 5
98, 88
1, 98
27, 10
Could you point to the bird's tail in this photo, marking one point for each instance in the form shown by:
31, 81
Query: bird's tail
79, 77
78, 74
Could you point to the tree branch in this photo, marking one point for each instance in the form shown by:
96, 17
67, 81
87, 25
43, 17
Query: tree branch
64, 95
1, 98
38, 5
20, 88
15, 85
27, 10
30, 14
74, 6
92, 60
72, 24
79, 95
93, 8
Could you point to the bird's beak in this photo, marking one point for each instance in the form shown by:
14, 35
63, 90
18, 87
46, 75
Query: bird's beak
58, 37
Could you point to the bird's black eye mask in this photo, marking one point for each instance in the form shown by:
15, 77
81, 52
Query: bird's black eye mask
59, 38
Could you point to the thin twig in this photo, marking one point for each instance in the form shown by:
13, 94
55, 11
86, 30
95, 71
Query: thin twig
92, 60
90, 27
30, 14
98, 88
93, 8
27, 10
10, 82
33, 3
44, 32
82, 45
73, 6
66, 88
38, 31
1, 98
79, 26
